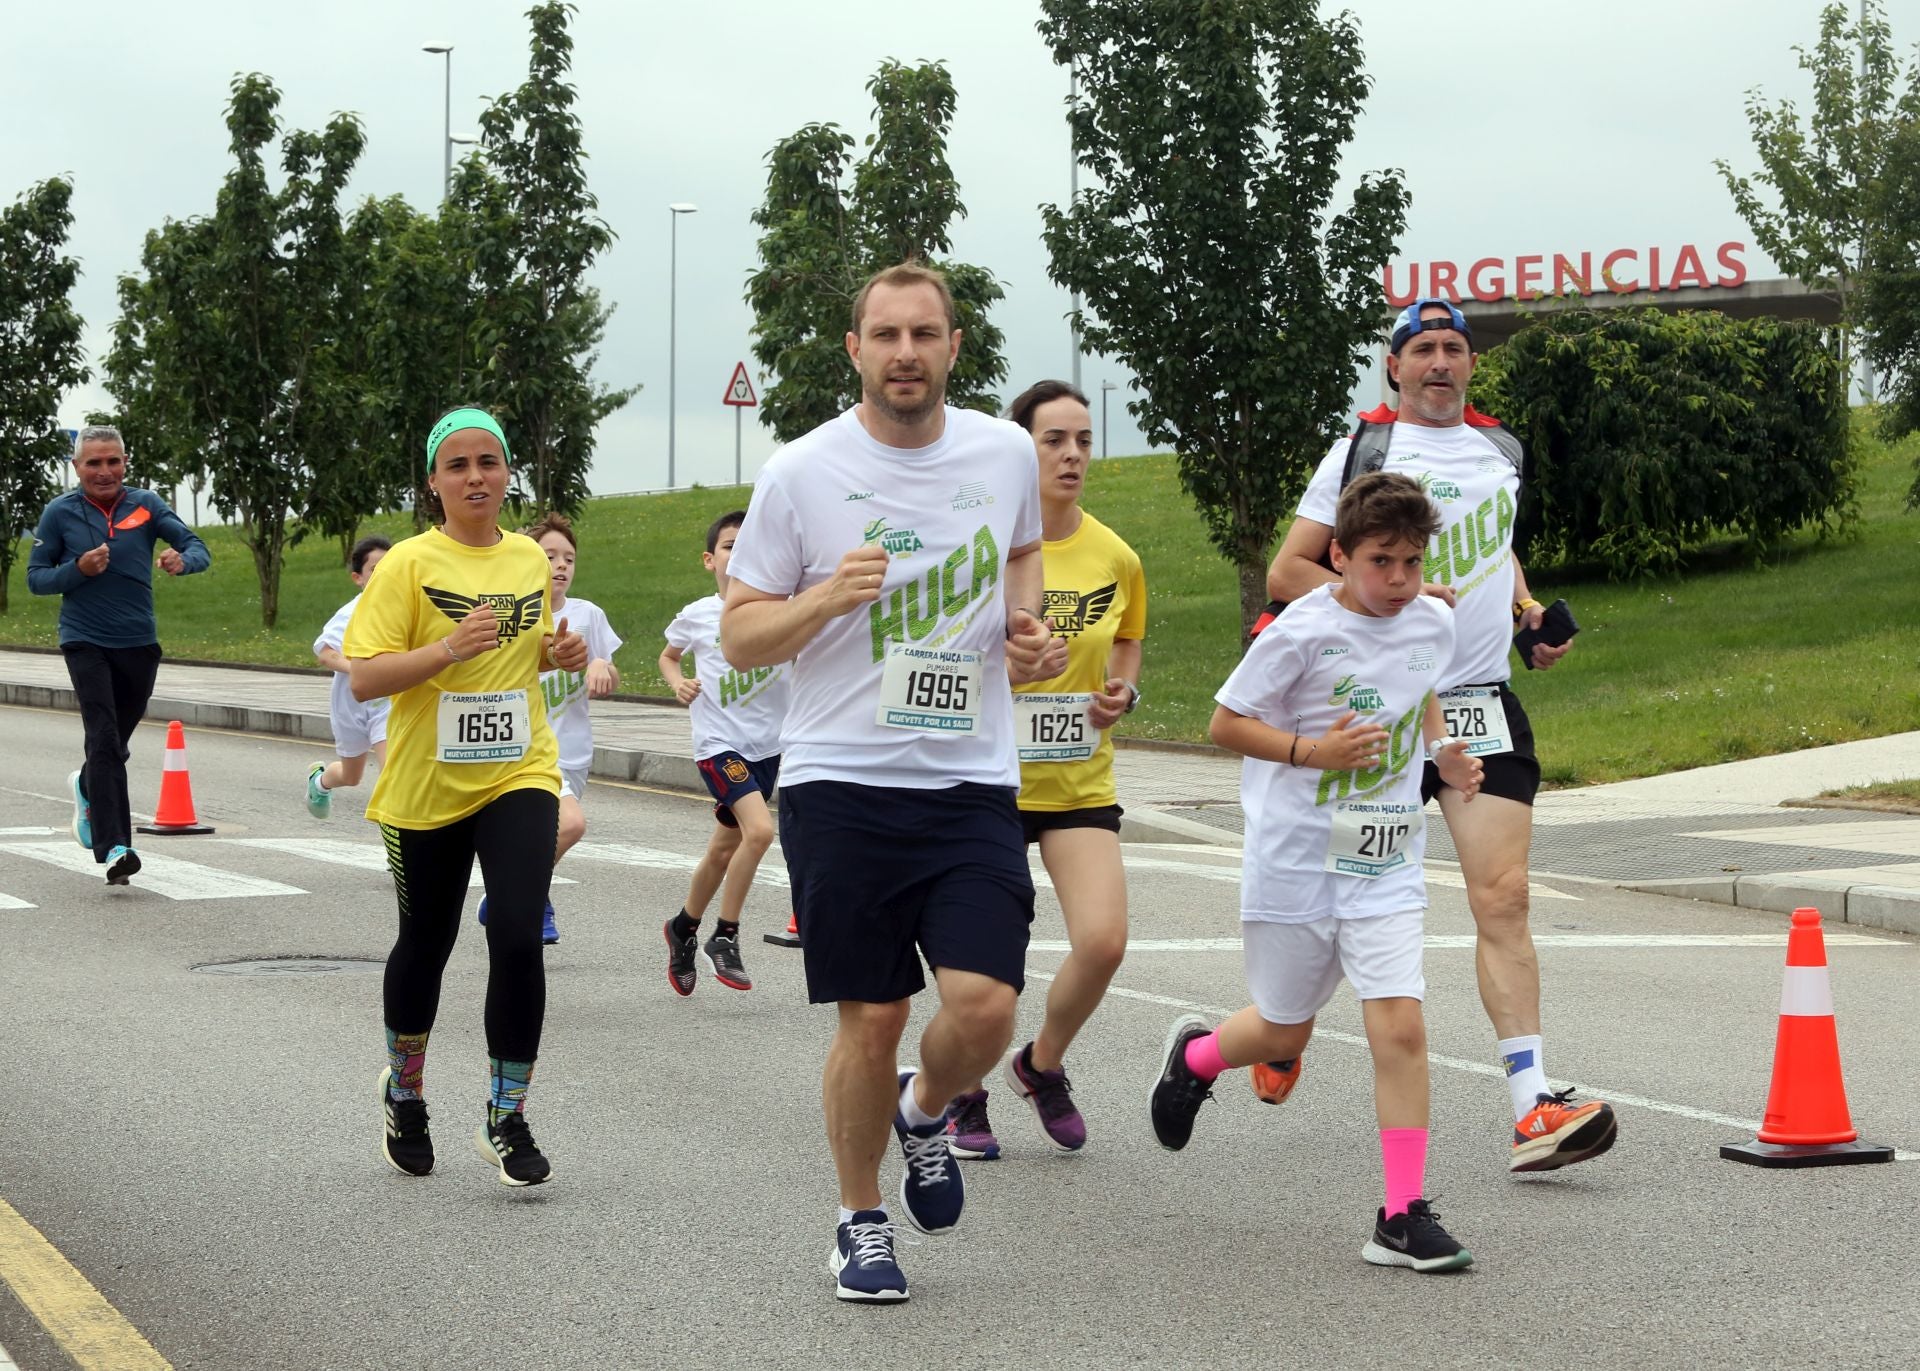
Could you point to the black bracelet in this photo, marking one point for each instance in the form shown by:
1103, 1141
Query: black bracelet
1292, 748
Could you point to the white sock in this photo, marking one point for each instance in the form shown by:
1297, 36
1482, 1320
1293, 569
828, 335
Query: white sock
1526, 1073
911, 1111
846, 1214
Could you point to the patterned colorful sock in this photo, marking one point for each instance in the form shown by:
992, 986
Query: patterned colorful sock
723, 929
510, 1082
1403, 1156
1526, 1067
1204, 1059
407, 1056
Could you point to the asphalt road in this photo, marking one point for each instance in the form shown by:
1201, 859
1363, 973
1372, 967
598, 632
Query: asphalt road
203, 1145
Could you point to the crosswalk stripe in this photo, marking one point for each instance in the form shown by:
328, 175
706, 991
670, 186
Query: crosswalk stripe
772, 871
9, 902
345, 852
1468, 940
171, 877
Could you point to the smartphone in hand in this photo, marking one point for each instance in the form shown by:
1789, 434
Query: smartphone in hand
1557, 628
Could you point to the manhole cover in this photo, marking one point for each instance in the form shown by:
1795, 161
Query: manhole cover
293, 966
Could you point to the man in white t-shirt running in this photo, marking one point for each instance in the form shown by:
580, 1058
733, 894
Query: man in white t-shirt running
1439, 439
893, 556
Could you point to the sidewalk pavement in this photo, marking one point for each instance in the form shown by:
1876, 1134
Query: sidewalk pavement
1716, 833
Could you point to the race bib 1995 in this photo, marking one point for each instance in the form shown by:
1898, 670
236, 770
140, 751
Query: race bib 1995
488, 726
1054, 728
1476, 717
930, 689
1371, 838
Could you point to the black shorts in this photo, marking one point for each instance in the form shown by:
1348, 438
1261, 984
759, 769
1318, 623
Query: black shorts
1038, 821
729, 776
878, 872
1511, 775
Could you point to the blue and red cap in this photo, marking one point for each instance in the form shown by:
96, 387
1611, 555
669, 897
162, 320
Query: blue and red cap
1409, 322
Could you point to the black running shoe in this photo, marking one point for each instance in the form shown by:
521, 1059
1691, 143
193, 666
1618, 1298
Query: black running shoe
405, 1142
723, 960
1415, 1240
509, 1145
681, 972
1178, 1094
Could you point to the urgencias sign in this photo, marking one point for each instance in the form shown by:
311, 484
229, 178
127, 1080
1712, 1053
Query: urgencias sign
1624, 271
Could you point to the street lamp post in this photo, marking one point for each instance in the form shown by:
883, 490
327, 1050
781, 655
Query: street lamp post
445, 50
674, 211
1073, 194
1105, 388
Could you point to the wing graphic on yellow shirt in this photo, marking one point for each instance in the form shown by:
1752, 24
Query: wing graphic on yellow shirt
516, 613
1071, 612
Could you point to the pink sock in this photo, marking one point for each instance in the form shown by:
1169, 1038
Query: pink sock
1204, 1059
1403, 1155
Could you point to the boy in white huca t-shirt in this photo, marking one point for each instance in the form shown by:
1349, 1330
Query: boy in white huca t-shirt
1333, 708
736, 718
566, 692
359, 726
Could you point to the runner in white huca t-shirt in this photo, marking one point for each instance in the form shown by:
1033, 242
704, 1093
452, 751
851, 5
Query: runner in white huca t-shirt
359, 726
893, 555
1439, 440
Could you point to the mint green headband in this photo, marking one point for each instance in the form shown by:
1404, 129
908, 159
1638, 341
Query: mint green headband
465, 418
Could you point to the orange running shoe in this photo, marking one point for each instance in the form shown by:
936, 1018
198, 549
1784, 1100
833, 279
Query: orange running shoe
1274, 1081
1558, 1132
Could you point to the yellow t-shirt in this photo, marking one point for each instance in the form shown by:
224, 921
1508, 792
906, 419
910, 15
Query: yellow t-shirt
1096, 593
424, 587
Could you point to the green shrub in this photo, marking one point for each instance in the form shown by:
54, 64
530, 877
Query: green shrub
1648, 432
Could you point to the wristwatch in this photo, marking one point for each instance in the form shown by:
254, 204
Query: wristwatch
1134, 702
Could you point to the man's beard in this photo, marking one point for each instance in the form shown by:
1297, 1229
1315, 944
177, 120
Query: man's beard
1447, 406
902, 414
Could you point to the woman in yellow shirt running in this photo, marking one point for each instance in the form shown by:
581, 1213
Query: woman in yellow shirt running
1096, 598
456, 629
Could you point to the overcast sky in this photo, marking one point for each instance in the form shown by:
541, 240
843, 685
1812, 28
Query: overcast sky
1523, 126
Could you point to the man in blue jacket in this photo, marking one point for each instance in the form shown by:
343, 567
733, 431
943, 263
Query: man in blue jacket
94, 549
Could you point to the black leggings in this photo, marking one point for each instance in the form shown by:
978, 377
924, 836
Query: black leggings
514, 836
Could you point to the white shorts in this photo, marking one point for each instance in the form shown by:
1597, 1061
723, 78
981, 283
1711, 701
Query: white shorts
358, 725
1293, 969
573, 781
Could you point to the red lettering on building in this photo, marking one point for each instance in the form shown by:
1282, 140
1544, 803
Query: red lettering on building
1494, 290
1440, 284
1730, 257
1614, 283
1489, 278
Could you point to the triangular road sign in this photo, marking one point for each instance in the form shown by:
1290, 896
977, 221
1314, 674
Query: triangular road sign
740, 389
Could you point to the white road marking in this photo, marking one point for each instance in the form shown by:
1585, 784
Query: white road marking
655, 859
66, 800
172, 877
9, 902
1197, 854
28, 832
345, 852
1616, 1097
1896, 837
7, 1363
1466, 940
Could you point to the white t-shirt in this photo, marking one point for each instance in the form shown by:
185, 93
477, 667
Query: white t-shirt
566, 691
340, 701
948, 513
1313, 664
1477, 490
735, 711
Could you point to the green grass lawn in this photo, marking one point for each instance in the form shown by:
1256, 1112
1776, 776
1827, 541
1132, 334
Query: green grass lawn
1728, 661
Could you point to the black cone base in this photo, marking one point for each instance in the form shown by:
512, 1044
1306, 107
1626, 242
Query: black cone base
782, 939
1805, 1154
173, 830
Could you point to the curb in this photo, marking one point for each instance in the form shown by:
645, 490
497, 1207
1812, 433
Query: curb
1891, 909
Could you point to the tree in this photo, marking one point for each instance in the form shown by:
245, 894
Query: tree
1890, 289
1824, 173
224, 354
535, 235
1205, 253
821, 239
40, 357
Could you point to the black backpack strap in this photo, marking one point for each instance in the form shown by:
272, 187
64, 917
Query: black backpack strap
1366, 451
1510, 447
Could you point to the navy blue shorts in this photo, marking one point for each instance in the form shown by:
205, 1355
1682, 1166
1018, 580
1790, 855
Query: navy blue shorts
882, 876
729, 776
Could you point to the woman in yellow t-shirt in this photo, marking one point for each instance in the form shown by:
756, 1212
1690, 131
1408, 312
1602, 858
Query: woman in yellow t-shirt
1096, 598
455, 627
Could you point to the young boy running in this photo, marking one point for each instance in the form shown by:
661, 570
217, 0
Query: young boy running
358, 727
1330, 707
567, 692
736, 717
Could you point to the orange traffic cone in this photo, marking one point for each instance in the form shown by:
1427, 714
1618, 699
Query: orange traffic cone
1806, 1123
175, 812
791, 938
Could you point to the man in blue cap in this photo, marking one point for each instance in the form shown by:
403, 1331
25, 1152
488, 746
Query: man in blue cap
1471, 466
94, 549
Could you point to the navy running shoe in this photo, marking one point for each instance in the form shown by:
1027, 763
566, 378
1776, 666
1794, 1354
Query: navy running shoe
862, 1260
932, 1191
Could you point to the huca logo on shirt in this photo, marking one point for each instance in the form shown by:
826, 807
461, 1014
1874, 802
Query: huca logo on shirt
935, 604
1442, 492
899, 542
1072, 613
1360, 699
1481, 539
736, 686
1403, 741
